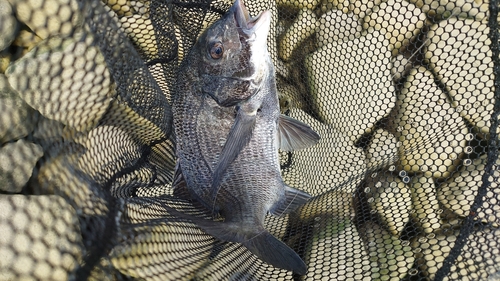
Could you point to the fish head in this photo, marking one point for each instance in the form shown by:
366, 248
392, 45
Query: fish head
233, 55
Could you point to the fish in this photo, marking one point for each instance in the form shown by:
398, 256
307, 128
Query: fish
228, 130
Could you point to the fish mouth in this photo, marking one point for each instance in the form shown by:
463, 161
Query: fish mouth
248, 24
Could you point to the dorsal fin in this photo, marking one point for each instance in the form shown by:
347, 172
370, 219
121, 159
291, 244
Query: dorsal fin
295, 135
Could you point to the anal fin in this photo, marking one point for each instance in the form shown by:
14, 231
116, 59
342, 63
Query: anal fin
179, 184
293, 199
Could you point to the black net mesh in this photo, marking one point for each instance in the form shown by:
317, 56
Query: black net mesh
404, 180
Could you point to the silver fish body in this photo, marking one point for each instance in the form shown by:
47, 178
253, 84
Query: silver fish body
228, 129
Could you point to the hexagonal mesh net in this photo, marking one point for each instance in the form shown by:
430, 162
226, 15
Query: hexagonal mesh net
404, 181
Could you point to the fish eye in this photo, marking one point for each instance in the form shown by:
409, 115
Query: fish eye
216, 50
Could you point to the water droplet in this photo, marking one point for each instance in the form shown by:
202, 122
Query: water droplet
467, 162
405, 243
370, 200
468, 106
374, 175
378, 184
413, 271
367, 190
402, 173
459, 109
424, 168
439, 211
469, 137
392, 168
406, 179
442, 123
399, 129
468, 149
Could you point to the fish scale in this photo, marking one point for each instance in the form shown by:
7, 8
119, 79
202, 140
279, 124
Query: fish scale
228, 129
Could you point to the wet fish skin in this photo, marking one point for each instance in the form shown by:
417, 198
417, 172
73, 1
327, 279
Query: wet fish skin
228, 128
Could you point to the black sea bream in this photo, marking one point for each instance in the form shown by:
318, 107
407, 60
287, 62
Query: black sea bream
228, 129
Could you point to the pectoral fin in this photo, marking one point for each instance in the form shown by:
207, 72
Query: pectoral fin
239, 136
295, 135
293, 199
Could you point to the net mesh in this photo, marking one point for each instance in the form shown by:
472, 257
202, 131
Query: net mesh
405, 179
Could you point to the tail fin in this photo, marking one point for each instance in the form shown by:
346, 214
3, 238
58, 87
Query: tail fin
260, 242
271, 250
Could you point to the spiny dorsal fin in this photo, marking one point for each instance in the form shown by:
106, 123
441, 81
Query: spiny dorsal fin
295, 135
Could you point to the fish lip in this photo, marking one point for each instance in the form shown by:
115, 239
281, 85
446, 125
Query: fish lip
249, 25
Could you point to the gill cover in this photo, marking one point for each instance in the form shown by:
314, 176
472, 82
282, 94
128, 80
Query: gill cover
235, 75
